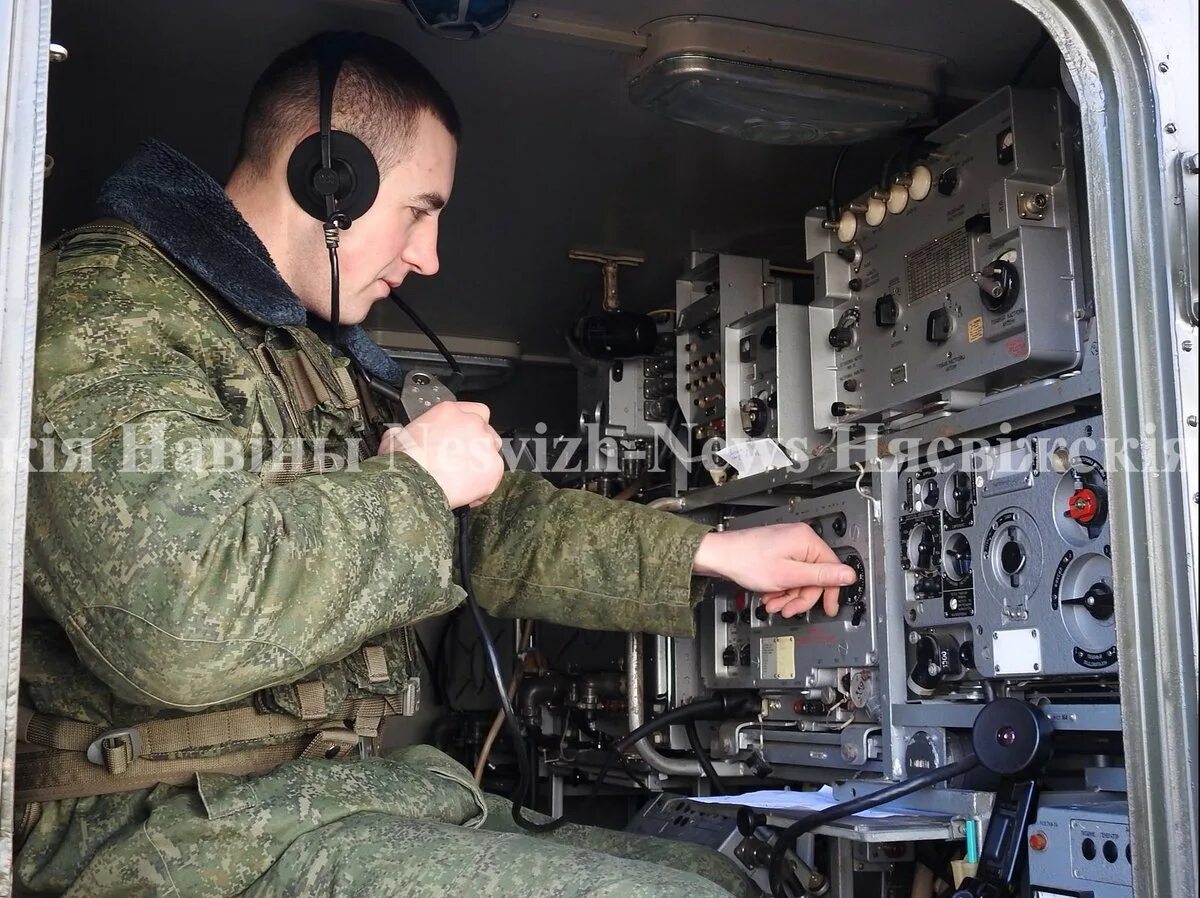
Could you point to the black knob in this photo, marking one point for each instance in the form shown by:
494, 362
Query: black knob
839, 409
927, 586
761, 612
855, 285
938, 326
1012, 558
1098, 600
850, 385
948, 182
841, 337
756, 417
924, 548
729, 656
999, 284
748, 820
966, 654
728, 617
887, 311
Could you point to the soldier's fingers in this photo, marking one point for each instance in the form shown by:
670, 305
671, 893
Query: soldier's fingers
833, 596
802, 600
476, 408
774, 601
805, 573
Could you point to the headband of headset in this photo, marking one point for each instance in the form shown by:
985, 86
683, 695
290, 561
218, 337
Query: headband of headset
332, 172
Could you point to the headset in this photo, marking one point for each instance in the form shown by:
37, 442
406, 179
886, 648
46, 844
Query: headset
332, 175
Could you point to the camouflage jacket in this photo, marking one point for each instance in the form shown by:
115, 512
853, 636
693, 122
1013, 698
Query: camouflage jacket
161, 580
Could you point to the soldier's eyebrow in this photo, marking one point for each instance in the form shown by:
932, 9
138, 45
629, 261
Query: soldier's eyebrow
429, 201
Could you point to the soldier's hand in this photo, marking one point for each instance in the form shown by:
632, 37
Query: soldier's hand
453, 442
788, 563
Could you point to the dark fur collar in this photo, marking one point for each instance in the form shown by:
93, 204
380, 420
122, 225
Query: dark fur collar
186, 213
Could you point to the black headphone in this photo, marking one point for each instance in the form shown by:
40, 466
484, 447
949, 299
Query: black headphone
332, 173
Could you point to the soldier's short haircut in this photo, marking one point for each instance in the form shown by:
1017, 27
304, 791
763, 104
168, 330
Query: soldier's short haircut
381, 91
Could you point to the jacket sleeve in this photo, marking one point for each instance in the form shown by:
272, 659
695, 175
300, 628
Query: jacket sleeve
575, 558
183, 583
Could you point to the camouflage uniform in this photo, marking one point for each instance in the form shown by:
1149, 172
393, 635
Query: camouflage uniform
161, 587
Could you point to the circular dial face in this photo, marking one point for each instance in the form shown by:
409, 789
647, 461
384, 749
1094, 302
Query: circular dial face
956, 558
920, 548
1087, 601
847, 228
876, 212
853, 594
922, 182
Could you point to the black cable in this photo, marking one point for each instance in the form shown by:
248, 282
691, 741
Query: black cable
335, 299
714, 781
831, 206
456, 380
787, 839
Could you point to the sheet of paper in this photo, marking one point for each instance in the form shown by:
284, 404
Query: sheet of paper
750, 457
787, 800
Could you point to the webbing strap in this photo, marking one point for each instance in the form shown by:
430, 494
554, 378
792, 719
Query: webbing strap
310, 696
375, 660
51, 775
192, 732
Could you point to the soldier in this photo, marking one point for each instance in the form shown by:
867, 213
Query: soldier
211, 648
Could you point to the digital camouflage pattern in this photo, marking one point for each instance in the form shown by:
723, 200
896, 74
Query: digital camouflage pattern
410, 826
160, 589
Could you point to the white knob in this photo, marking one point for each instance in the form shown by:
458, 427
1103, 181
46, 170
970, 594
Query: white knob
922, 182
876, 212
897, 200
847, 228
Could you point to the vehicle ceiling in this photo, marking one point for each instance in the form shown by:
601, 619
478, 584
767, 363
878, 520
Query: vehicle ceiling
554, 153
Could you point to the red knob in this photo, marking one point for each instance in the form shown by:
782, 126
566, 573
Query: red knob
1083, 506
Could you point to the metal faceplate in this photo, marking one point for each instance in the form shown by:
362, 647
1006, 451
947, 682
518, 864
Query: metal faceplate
1006, 558
716, 291
972, 288
1080, 846
818, 673
767, 370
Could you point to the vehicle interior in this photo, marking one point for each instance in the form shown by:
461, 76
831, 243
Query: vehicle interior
748, 182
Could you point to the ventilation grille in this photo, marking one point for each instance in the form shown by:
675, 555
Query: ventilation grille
938, 264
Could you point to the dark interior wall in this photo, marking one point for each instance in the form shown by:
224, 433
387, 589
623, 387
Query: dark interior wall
554, 153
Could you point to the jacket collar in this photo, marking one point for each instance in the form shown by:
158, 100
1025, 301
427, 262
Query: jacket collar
186, 213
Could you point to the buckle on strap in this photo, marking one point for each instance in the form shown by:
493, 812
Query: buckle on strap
115, 749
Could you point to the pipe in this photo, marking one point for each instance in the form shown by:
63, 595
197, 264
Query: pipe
534, 693
668, 503
636, 696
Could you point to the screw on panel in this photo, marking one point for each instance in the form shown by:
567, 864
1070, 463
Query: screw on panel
1170, 129
1163, 67
1192, 164
1187, 345
1191, 421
